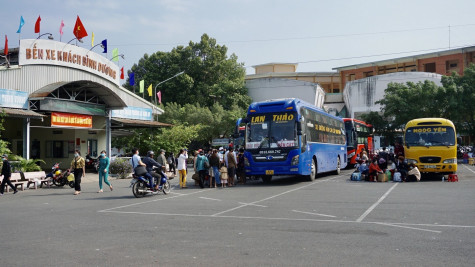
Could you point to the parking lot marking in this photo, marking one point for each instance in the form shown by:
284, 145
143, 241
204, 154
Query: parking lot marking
250, 204
154, 200
274, 196
311, 213
368, 211
469, 169
207, 198
407, 227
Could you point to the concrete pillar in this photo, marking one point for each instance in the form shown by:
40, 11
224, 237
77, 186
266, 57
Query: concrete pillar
108, 133
26, 138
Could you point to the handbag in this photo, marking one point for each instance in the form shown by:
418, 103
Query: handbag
195, 177
140, 170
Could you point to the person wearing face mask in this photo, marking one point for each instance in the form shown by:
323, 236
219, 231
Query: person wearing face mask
78, 165
104, 163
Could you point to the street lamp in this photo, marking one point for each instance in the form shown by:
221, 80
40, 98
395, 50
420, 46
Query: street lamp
50, 36
80, 40
121, 55
7, 63
155, 89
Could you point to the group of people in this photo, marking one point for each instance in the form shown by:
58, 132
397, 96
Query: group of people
222, 167
384, 162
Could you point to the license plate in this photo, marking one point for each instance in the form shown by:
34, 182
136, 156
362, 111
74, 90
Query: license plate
430, 167
269, 172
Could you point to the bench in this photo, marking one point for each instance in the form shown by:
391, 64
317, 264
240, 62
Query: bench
35, 177
17, 181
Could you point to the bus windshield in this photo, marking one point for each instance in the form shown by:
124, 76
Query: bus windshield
272, 130
430, 136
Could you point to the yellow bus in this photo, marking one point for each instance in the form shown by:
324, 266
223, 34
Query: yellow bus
431, 144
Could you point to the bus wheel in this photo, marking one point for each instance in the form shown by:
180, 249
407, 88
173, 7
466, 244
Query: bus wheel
338, 169
266, 178
313, 172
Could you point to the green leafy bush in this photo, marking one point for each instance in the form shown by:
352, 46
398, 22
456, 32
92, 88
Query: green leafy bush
121, 167
24, 165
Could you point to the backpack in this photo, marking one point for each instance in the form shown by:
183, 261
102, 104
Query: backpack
356, 176
397, 177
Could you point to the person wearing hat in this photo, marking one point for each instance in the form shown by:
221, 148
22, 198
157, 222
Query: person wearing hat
162, 160
7, 173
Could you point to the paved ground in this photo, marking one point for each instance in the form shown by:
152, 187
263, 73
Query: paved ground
332, 221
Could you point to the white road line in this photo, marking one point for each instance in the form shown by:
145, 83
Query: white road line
250, 204
311, 213
407, 227
207, 198
292, 219
274, 196
469, 169
154, 200
368, 211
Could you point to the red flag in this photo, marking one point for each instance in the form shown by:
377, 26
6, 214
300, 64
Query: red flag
5, 51
79, 30
122, 73
37, 25
159, 95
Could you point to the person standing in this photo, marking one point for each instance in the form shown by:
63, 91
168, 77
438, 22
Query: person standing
78, 165
241, 172
7, 173
104, 163
162, 160
200, 166
231, 163
214, 163
182, 158
171, 164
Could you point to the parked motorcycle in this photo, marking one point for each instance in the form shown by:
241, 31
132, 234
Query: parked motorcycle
141, 187
60, 178
92, 163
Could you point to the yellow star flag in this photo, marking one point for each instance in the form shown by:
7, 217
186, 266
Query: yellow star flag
149, 90
92, 39
142, 83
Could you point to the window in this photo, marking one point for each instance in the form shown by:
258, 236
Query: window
351, 77
368, 74
92, 147
56, 149
336, 90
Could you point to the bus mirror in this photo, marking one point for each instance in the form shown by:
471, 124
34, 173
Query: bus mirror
299, 128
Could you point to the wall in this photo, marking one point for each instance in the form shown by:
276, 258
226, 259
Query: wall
275, 88
360, 95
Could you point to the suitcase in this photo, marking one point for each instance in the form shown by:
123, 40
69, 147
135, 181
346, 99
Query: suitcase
356, 176
397, 177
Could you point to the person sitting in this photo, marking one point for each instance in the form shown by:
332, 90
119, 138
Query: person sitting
363, 168
402, 167
150, 163
136, 161
374, 169
413, 175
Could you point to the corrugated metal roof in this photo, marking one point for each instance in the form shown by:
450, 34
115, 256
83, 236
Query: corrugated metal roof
139, 123
21, 113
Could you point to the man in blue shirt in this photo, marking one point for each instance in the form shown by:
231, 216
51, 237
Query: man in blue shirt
136, 161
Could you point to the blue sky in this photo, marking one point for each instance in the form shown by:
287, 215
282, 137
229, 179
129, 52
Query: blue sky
319, 35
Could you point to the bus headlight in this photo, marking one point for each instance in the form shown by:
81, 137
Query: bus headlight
411, 161
295, 160
450, 161
246, 162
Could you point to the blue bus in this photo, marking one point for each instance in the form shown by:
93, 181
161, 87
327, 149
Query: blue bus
292, 137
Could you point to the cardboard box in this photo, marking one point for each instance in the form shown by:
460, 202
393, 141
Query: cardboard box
382, 177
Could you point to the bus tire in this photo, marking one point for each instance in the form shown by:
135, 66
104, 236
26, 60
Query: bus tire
313, 172
266, 178
338, 166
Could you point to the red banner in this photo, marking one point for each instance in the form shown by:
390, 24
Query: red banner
71, 120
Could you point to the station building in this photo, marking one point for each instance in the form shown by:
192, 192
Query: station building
58, 97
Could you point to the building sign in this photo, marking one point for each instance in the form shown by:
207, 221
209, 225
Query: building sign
47, 52
134, 113
70, 120
13, 99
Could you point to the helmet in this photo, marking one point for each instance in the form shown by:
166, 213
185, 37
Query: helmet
150, 153
58, 172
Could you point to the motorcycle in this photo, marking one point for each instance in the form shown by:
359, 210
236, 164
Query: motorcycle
141, 187
60, 178
92, 163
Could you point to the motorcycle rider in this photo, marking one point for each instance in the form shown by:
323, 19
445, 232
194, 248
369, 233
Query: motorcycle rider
136, 161
150, 163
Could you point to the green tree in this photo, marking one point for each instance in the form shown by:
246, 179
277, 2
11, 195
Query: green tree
210, 75
3, 144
